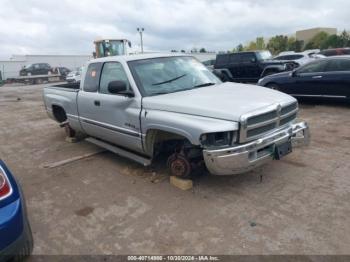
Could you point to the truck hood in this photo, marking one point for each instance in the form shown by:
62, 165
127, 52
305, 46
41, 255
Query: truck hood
226, 101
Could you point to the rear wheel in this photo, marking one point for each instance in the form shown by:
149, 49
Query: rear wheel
224, 77
273, 86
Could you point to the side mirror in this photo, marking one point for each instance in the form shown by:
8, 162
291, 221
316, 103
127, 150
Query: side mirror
129, 43
119, 87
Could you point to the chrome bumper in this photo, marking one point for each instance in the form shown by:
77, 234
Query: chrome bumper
242, 158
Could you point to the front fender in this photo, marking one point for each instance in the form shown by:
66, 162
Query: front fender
188, 126
273, 68
220, 71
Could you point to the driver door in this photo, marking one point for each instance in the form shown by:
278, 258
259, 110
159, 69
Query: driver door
110, 117
308, 80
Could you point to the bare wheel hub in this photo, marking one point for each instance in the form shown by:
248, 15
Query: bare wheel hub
179, 165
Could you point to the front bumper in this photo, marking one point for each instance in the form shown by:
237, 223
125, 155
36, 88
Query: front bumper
243, 158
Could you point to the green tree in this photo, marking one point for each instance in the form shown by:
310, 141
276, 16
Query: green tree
239, 48
251, 46
277, 44
294, 44
202, 50
260, 43
317, 41
194, 50
332, 41
344, 39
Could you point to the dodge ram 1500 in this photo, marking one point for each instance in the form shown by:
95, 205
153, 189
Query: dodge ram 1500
141, 106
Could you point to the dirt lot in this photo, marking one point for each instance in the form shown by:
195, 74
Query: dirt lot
110, 205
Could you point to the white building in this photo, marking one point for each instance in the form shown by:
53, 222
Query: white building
10, 68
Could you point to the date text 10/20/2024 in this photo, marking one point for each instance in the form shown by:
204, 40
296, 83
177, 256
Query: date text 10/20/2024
173, 258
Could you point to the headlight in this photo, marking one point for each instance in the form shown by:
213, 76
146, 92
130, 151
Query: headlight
219, 139
260, 80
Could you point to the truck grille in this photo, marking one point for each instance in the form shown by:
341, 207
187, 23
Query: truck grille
258, 124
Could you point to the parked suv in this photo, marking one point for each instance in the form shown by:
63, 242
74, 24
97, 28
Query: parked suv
299, 58
249, 66
336, 51
36, 69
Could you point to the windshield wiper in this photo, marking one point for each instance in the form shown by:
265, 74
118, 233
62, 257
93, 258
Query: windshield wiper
203, 85
170, 80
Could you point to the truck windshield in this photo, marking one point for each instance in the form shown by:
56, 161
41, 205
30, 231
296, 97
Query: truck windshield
170, 74
111, 48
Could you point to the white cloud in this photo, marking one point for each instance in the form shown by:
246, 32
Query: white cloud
38, 26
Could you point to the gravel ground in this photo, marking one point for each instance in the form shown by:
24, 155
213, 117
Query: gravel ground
106, 204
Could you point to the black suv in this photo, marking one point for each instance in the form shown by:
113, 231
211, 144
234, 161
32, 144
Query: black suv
36, 69
249, 66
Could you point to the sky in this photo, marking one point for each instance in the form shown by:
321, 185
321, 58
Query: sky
70, 26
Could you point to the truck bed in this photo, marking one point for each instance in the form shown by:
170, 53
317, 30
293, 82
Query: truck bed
62, 96
74, 86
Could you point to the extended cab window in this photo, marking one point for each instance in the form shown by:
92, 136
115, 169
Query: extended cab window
112, 71
92, 77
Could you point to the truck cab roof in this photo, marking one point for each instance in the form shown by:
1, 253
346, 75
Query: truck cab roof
133, 57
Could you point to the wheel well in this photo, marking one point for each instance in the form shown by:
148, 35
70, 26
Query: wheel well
158, 139
59, 113
268, 71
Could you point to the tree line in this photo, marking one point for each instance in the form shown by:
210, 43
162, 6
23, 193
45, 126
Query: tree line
280, 43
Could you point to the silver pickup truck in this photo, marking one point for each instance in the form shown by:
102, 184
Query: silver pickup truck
155, 105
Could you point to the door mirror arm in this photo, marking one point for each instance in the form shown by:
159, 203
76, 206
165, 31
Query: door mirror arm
127, 93
294, 73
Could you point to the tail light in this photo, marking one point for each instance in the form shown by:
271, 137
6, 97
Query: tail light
5, 187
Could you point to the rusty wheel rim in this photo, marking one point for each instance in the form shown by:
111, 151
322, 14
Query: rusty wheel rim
180, 167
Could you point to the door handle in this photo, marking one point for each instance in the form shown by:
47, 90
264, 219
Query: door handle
316, 77
97, 103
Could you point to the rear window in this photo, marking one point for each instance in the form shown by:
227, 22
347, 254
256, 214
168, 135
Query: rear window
247, 58
235, 58
222, 59
92, 77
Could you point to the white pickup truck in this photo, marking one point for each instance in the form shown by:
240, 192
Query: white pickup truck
141, 106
